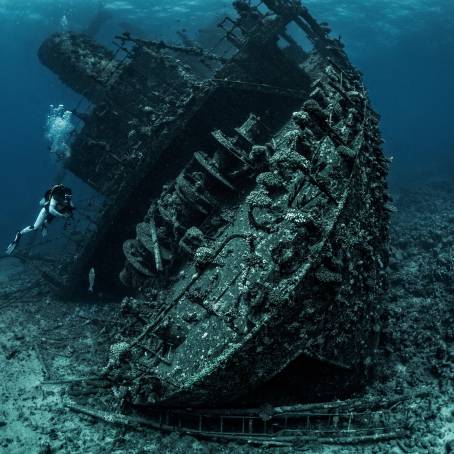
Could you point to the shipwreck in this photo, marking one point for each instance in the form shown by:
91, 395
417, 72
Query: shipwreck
245, 212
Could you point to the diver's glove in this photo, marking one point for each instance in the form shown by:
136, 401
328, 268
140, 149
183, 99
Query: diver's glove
12, 246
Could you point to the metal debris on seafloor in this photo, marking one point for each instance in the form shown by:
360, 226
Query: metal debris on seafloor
356, 421
245, 205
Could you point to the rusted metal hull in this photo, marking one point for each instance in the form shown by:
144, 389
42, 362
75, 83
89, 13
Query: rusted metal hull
248, 212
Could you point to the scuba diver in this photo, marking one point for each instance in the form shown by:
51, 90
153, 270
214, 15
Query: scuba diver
56, 203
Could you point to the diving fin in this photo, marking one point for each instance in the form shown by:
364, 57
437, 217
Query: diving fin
12, 246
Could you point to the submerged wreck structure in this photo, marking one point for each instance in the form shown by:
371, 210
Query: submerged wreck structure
246, 208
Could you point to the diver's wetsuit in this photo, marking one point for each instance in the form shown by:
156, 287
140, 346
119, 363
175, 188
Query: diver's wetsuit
47, 214
59, 205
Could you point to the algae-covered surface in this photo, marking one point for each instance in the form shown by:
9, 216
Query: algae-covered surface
44, 341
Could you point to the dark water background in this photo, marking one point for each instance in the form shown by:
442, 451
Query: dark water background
405, 49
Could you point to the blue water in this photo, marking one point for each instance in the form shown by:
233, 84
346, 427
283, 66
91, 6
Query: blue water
405, 48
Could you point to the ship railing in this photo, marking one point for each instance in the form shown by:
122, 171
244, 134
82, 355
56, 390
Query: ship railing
348, 423
377, 421
111, 69
234, 33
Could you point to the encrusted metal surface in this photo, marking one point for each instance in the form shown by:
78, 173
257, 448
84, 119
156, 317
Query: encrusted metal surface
250, 202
